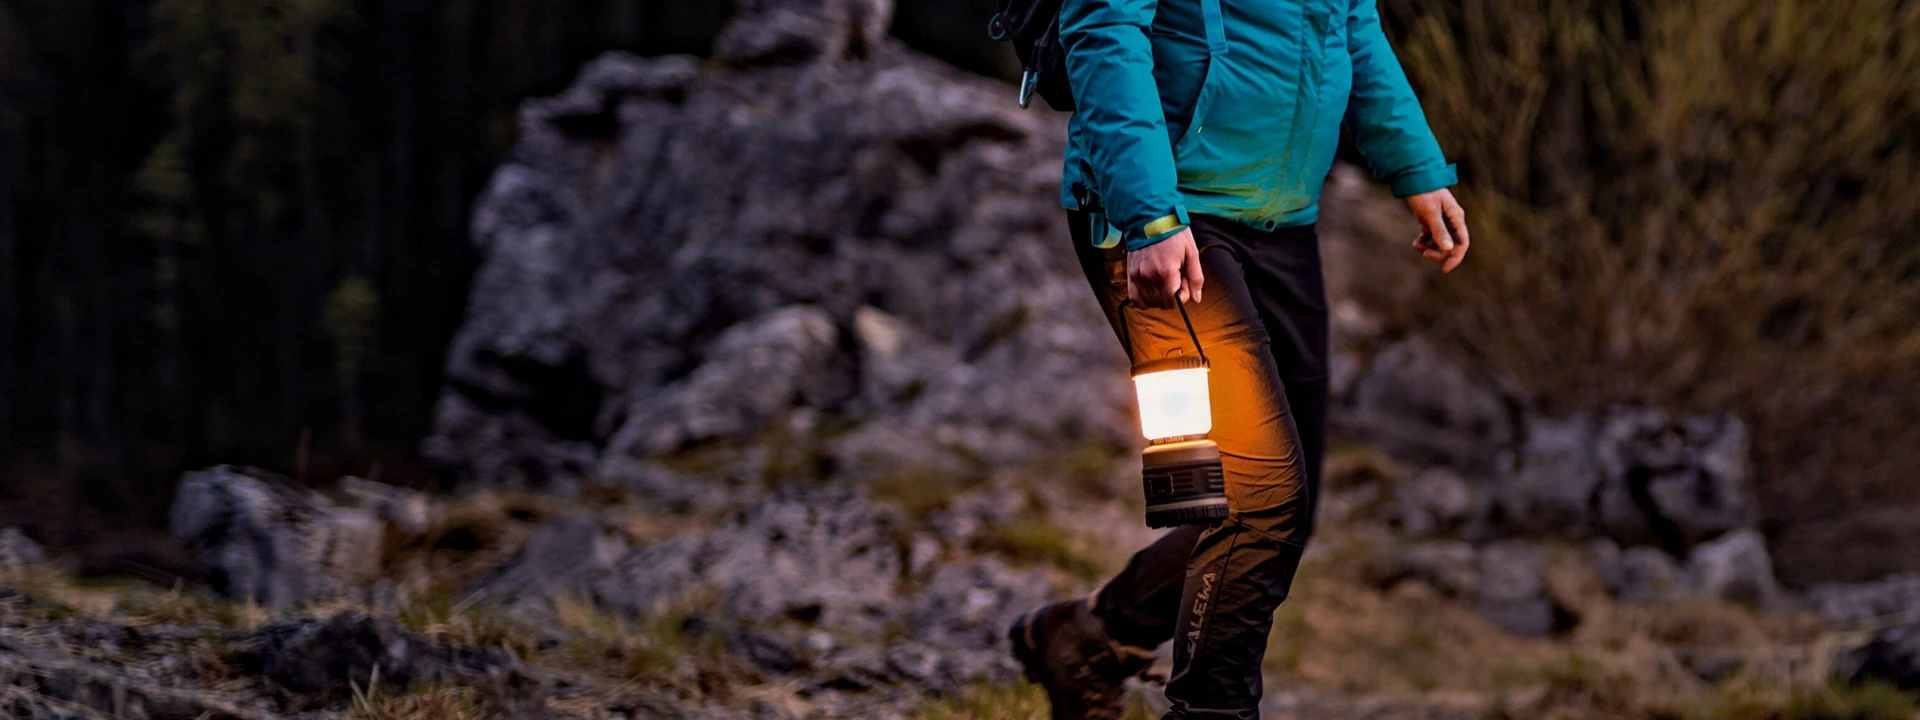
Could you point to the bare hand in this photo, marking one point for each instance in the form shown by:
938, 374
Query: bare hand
1166, 272
1443, 237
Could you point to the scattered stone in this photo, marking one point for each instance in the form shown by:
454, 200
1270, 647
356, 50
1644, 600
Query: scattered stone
1734, 567
261, 538
328, 656
1895, 598
823, 557
1419, 405
1505, 581
1635, 476
1638, 574
1892, 657
1450, 567
562, 558
1434, 501
1712, 667
1512, 591
17, 551
970, 605
406, 511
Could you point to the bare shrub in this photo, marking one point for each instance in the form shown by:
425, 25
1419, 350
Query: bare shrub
1701, 205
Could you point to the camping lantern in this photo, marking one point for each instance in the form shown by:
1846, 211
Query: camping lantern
1180, 469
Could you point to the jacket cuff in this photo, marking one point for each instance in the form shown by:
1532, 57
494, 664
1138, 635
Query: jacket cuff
1158, 229
1425, 180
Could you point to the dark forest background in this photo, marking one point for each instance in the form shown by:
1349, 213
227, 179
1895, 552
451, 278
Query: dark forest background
235, 230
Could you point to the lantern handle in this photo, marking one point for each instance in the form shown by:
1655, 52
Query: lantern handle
1126, 334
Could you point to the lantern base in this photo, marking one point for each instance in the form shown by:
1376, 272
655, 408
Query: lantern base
1184, 483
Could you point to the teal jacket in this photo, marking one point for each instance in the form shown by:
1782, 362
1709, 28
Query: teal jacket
1232, 108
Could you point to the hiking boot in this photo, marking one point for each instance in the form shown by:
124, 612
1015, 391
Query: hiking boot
1065, 649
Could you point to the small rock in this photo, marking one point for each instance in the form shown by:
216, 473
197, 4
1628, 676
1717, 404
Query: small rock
403, 510
1712, 667
971, 605
1892, 657
1639, 574
1735, 567
17, 551
1434, 501
1512, 592
1895, 598
1450, 567
1418, 404
262, 538
820, 556
313, 655
562, 557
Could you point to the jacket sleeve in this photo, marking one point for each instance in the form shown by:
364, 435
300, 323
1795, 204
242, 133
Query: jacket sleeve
1110, 62
1385, 117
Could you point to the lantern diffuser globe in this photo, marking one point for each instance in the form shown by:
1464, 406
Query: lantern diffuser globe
1173, 402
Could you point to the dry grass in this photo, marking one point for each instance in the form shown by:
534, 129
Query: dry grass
427, 703
1702, 205
1011, 701
1409, 644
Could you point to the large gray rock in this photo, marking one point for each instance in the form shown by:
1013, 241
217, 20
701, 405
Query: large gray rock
825, 238
1635, 476
261, 538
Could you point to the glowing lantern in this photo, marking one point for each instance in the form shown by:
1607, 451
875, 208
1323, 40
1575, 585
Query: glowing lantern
1180, 470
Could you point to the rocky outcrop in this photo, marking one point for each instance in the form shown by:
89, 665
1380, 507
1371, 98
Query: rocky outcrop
261, 538
826, 239
1636, 476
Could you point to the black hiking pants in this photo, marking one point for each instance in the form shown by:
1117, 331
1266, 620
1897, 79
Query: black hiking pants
1213, 590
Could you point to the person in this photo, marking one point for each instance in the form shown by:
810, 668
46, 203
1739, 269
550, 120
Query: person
1203, 132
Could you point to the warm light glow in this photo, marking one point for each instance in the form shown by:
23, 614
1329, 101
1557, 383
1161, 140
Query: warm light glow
1174, 403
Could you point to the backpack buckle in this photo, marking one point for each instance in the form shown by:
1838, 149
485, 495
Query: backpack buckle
1028, 81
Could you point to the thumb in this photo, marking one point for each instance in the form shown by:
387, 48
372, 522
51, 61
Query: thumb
1191, 268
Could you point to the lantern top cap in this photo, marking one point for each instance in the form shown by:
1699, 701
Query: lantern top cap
1177, 362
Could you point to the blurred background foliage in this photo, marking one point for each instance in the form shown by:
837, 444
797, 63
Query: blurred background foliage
235, 230
1702, 205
